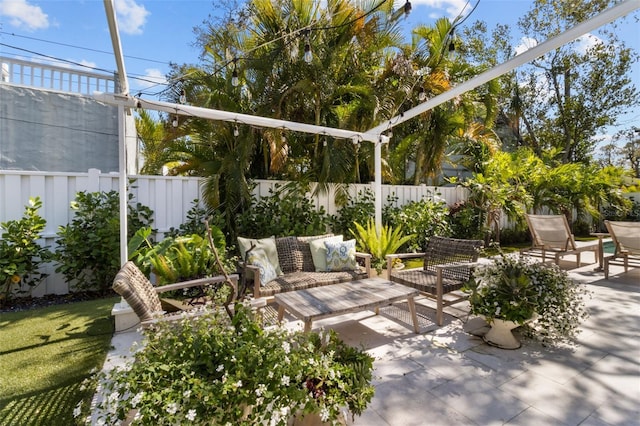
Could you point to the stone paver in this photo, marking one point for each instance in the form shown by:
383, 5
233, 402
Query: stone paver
446, 376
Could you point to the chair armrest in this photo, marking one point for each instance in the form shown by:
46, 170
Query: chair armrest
367, 261
201, 282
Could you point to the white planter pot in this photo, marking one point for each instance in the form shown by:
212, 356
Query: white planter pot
500, 334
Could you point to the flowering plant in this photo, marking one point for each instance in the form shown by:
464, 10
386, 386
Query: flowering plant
540, 296
214, 370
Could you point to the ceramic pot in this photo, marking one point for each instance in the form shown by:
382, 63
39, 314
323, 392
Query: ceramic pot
500, 334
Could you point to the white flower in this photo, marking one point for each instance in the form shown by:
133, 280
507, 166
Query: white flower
324, 414
285, 380
238, 384
78, 410
286, 346
187, 393
136, 399
191, 415
172, 408
220, 368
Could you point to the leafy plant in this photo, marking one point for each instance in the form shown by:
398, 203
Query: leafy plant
286, 211
423, 219
195, 221
379, 245
21, 256
88, 249
213, 370
514, 288
359, 210
189, 257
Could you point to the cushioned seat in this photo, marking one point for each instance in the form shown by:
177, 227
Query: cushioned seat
448, 264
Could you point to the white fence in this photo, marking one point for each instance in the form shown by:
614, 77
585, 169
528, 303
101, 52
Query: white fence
170, 198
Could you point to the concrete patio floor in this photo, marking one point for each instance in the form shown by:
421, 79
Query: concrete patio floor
446, 376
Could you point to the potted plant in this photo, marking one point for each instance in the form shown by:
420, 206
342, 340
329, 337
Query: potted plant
513, 291
379, 244
214, 370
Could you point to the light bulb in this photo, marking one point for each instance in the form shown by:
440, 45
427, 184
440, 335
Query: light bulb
422, 95
283, 138
308, 56
235, 81
407, 8
174, 123
183, 97
236, 131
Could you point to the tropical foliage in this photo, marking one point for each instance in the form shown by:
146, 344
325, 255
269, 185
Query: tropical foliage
379, 243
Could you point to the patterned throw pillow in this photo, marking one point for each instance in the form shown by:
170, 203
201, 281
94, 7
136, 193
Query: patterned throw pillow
319, 251
258, 257
341, 256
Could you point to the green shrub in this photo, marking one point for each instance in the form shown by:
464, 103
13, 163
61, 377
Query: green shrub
20, 254
360, 210
88, 249
285, 211
467, 221
423, 219
195, 221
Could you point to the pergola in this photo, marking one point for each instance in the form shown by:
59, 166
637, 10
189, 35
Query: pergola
126, 102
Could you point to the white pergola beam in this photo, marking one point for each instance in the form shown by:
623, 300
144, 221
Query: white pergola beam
234, 117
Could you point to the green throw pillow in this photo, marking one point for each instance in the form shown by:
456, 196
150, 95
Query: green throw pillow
341, 256
319, 252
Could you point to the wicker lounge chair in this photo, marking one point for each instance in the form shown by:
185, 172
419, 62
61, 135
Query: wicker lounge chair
552, 238
448, 263
626, 237
142, 296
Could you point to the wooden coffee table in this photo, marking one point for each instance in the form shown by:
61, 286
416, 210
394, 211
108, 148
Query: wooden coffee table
337, 299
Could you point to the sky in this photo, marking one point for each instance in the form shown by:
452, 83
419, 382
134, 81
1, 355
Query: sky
156, 32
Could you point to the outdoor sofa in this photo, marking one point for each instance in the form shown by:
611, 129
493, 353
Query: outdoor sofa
277, 265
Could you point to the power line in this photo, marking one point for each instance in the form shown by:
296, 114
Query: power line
83, 48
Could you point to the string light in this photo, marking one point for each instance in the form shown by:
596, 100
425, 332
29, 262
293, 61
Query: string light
308, 56
283, 138
236, 131
174, 123
407, 8
422, 95
235, 81
183, 97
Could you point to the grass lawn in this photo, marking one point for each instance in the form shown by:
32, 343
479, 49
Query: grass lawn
45, 354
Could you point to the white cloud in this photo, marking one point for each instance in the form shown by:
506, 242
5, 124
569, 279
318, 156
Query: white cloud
152, 77
131, 16
526, 43
586, 42
452, 8
24, 15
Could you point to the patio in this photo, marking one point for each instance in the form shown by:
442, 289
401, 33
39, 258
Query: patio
444, 375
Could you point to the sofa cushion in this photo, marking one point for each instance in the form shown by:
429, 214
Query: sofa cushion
305, 251
302, 280
259, 258
266, 244
319, 251
341, 255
